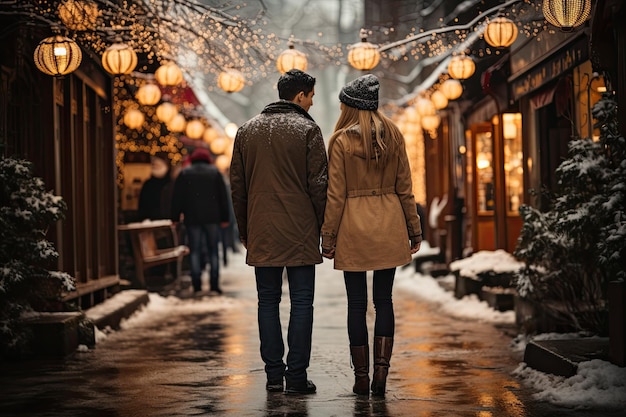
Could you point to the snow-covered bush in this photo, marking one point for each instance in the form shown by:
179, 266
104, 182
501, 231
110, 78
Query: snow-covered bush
572, 250
26, 283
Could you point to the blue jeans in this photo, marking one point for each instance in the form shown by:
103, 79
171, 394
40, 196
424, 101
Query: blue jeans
301, 289
204, 237
356, 289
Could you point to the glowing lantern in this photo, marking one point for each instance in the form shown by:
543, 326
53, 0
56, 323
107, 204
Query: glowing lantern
566, 14
412, 115
451, 88
461, 67
177, 123
195, 129
134, 118
439, 100
169, 74
148, 94
231, 80
231, 130
222, 162
500, 32
210, 134
166, 111
290, 59
431, 122
57, 55
424, 106
219, 145
78, 14
119, 58
363, 55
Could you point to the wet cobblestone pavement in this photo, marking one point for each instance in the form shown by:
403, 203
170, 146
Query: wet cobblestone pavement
199, 356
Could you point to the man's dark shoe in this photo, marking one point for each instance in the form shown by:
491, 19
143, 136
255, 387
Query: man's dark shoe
274, 386
302, 388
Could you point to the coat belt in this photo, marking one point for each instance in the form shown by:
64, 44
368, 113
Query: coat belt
371, 192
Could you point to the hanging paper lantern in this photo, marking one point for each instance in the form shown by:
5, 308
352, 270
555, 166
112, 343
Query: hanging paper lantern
451, 88
461, 67
79, 15
424, 106
363, 55
231, 80
222, 162
290, 59
210, 134
439, 100
231, 129
566, 14
57, 56
134, 118
219, 145
169, 74
177, 123
194, 129
166, 111
148, 94
431, 122
501, 32
119, 59
412, 115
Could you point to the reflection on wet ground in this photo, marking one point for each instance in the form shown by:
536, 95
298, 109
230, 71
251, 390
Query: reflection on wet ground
200, 357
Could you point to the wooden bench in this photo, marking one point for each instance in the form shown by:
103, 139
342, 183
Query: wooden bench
146, 252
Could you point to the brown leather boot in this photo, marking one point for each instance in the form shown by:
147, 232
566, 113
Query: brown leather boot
361, 361
383, 346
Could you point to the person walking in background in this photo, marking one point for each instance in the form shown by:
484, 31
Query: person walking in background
200, 197
278, 178
370, 223
150, 205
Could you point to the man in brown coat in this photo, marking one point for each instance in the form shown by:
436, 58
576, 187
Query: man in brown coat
279, 176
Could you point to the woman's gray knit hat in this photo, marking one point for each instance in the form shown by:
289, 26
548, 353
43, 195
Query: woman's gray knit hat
361, 93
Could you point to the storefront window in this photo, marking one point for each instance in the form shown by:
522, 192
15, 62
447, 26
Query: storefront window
484, 172
513, 158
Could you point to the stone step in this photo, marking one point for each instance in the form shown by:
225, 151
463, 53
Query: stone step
60, 333
561, 357
54, 334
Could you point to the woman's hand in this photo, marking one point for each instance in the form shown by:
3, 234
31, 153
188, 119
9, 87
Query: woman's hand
328, 253
415, 246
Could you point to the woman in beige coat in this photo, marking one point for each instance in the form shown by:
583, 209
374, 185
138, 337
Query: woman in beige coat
371, 221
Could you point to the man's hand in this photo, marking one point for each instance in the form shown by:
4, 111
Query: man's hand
328, 253
415, 247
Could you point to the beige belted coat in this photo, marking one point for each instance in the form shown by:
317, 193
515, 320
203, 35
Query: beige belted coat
370, 216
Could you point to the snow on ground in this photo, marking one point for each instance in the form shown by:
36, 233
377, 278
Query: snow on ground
428, 289
598, 384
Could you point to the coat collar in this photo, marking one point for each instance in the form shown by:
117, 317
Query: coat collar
286, 106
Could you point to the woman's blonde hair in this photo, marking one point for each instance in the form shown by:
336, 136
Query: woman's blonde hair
380, 137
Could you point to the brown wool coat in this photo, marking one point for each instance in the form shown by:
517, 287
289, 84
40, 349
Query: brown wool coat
279, 175
370, 216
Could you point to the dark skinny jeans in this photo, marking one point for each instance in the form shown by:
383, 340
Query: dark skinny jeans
356, 289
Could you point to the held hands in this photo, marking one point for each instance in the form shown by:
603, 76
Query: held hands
328, 253
415, 246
